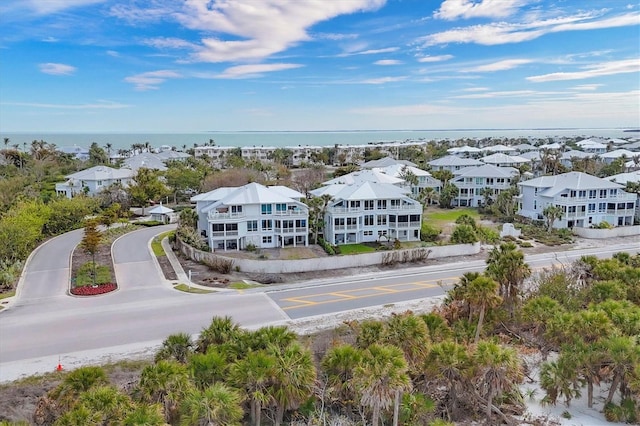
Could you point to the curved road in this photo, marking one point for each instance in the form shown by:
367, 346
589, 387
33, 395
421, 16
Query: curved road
44, 324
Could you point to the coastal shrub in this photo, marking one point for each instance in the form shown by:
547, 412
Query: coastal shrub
219, 264
429, 233
487, 235
465, 219
191, 237
149, 223
328, 248
464, 234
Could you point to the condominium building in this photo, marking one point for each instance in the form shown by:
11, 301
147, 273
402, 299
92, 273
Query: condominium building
475, 184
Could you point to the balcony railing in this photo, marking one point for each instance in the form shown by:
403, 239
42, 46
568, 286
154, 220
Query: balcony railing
224, 234
290, 213
214, 215
405, 224
290, 230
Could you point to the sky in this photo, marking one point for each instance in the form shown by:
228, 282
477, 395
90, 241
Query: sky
317, 65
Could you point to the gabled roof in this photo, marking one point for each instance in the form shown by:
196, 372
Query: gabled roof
463, 149
623, 178
487, 170
500, 158
397, 170
370, 191
525, 147
215, 195
287, 192
619, 153
254, 193
171, 155
590, 144
531, 155
330, 190
554, 145
160, 209
577, 154
498, 148
572, 180
145, 160
364, 176
101, 173
386, 161
617, 141
453, 161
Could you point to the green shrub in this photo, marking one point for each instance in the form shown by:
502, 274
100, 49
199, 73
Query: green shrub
429, 233
328, 248
464, 234
487, 235
219, 264
465, 219
149, 223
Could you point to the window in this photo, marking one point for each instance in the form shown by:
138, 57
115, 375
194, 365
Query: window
301, 223
489, 181
501, 181
592, 194
368, 204
99, 183
572, 194
354, 204
287, 224
267, 240
592, 207
236, 209
338, 221
613, 192
368, 233
368, 220
582, 194
602, 207
382, 204
252, 226
479, 181
266, 208
281, 207
603, 193
535, 204
267, 225
380, 233
395, 203
382, 220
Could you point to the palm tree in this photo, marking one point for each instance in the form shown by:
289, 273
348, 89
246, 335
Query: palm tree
164, 382
621, 357
551, 214
506, 265
218, 404
80, 416
498, 370
254, 374
559, 378
339, 364
588, 359
208, 368
428, 195
76, 383
108, 402
409, 333
175, 347
294, 377
145, 414
449, 362
220, 331
381, 377
483, 294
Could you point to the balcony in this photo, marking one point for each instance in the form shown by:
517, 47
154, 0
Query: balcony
215, 215
405, 225
224, 234
290, 213
291, 230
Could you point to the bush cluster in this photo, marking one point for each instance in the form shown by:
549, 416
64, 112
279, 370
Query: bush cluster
328, 248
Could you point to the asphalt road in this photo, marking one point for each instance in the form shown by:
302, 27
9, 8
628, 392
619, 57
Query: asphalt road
44, 323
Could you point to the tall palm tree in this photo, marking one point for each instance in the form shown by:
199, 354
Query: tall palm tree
551, 214
560, 378
206, 369
164, 382
381, 377
621, 358
506, 265
449, 363
409, 333
294, 377
499, 369
220, 331
217, 405
254, 374
339, 364
482, 293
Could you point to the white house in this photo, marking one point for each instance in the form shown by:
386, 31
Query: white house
265, 217
584, 199
93, 180
424, 178
365, 176
472, 182
503, 160
369, 212
453, 163
611, 156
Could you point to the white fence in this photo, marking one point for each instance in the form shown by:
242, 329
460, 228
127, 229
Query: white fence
599, 234
332, 262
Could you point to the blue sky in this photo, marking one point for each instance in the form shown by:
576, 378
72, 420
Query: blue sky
227, 65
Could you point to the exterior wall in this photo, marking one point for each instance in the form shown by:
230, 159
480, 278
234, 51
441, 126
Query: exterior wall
325, 263
624, 231
362, 225
470, 188
93, 186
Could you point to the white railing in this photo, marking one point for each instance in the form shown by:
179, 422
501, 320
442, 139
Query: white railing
290, 213
214, 215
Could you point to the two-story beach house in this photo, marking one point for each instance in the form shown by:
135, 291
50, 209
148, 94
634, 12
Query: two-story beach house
473, 181
231, 218
585, 200
93, 180
453, 163
370, 211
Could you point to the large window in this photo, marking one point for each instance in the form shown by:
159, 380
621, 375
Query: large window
267, 225
368, 220
236, 209
382, 219
368, 204
252, 226
266, 208
267, 240
281, 207
382, 204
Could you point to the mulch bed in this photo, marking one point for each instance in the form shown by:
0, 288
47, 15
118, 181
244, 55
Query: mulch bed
102, 258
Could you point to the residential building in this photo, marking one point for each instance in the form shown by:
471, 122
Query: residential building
611, 156
365, 176
569, 156
475, 184
93, 180
370, 211
253, 214
386, 162
453, 163
423, 178
585, 200
503, 160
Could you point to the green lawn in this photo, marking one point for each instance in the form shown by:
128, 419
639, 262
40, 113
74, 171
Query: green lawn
241, 285
156, 244
450, 215
189, 289
103, 275
356, 249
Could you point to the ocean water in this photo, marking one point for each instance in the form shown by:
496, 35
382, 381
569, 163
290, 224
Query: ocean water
283, 139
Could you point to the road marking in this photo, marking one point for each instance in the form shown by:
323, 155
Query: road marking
355, 294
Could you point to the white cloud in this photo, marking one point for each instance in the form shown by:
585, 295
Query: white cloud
475, 89
369, 52
57, 69
453, 9
244, 71
438, 58
169, 43
388, 62
113, 53
259, 29
503, 32
506, 94
150, 11
151, 80
382, 80
590, 71
45, 7
588, 87
97, 105
504, 65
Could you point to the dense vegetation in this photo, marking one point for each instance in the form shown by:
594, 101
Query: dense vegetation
464, 361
